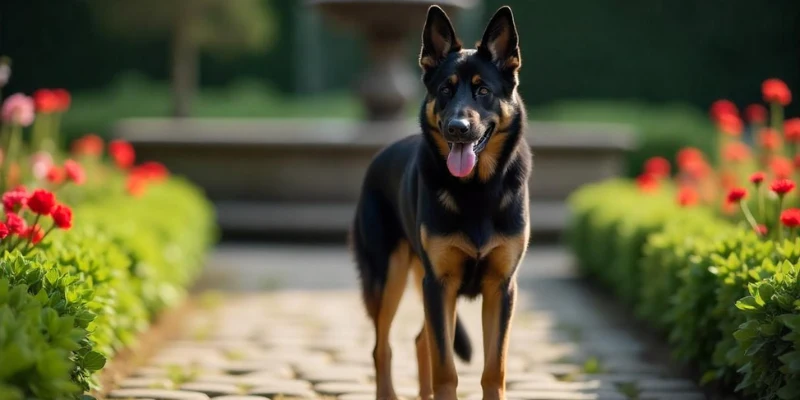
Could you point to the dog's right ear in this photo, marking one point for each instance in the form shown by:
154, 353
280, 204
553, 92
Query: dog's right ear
438, 39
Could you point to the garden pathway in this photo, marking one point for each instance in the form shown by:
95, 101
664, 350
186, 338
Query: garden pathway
291, 325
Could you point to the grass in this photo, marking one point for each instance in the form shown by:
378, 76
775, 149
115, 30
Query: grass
662, 128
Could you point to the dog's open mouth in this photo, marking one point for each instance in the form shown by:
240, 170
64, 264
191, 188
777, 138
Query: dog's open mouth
463, 156
479, 144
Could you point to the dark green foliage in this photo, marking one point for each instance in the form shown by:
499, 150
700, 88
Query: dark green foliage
728, 301
86, 293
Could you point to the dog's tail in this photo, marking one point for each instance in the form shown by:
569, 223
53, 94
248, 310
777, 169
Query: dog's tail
461, 343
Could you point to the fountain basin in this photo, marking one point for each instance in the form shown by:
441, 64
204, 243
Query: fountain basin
303, 177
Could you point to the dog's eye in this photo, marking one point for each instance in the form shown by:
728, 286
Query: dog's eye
483, 91
445, 90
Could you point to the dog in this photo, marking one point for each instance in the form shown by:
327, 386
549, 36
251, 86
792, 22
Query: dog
449, 206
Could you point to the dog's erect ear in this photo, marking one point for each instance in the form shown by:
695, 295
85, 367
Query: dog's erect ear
438, 38
500, 43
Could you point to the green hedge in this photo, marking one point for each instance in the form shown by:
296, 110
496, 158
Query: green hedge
696, 277
85, 293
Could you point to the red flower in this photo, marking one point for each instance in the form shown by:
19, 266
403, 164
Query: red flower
791, 129
790, 217
688, 155
14, 200
62, 217
775, 90
34, 233
156, 171
782, 186
761, 229
63, 99
42, 202
769, 139
3, 230
723, 107
730, 124
46, 101
757, 178
736, 194
736, 152
657, 166
90, 145
687, 196
74, 172
756, 113
15, 223
781, 167
122, 152
55, 174
136, 185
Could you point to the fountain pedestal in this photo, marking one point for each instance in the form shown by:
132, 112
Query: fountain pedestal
389, 82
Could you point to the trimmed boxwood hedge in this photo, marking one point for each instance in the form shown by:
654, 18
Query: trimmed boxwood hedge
84, 294
728, 301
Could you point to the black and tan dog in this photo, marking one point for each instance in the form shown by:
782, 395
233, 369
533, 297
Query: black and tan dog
450, 205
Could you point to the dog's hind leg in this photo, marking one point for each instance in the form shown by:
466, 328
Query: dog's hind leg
383, 259
421, 342
390, 300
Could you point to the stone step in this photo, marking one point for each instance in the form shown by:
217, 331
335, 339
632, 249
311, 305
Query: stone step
258, 217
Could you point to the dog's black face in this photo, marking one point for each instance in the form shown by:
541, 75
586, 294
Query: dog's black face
471, 96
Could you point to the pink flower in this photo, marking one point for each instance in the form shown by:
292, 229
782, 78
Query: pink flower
18, 109
41, 162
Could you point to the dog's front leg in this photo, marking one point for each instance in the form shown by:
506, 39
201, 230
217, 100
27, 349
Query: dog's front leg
498, 307
499, 291
439, 297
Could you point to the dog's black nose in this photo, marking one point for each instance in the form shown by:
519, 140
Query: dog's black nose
458, 126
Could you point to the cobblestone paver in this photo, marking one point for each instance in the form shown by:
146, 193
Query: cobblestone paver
317, 344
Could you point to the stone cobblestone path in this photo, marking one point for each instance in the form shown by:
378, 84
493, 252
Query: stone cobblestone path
316, 343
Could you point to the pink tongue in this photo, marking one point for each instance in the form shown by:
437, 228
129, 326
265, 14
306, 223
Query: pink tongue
461, 159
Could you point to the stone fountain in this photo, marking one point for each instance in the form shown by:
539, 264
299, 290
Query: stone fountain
389, 83
287, 178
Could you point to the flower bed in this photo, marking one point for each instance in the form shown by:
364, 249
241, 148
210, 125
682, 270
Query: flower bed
709, 253
94, 248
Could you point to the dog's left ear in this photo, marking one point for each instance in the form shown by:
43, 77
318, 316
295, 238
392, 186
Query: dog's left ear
500, 44
438, 39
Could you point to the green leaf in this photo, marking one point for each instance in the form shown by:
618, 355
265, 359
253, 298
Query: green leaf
52, 276
765, 292
792, 321
790, 391
748, 303
94, 361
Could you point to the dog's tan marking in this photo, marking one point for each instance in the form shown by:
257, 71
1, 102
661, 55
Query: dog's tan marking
495, 339
427, 62
421, 341
446, 253
506, 116
447, 200
453, 79
476, 79
512, 63
490, 156
447, 259
399, 264
501, 264
433, 121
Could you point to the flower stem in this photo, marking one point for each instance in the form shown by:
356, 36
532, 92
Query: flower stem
30, 236
43, 237
776, 114
748, 216
761, 211
778, 217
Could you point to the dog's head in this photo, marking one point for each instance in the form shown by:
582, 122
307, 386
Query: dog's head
471, 112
